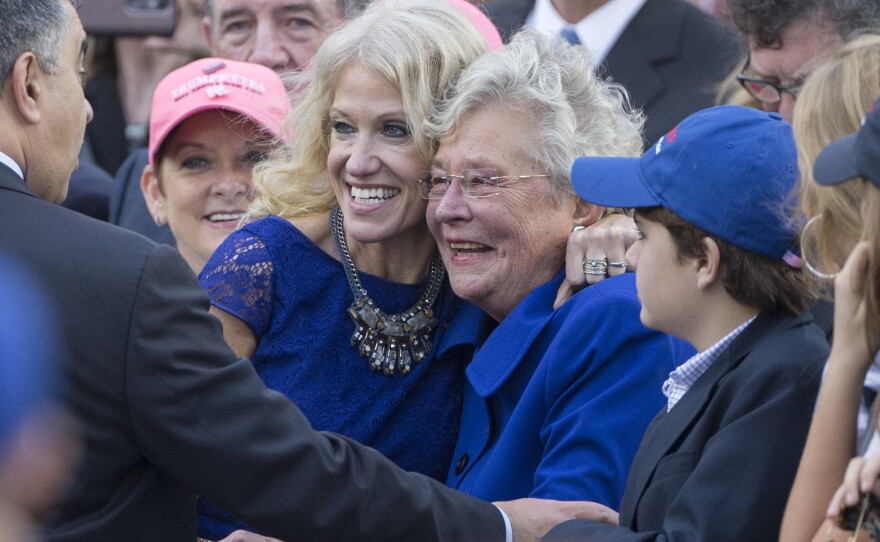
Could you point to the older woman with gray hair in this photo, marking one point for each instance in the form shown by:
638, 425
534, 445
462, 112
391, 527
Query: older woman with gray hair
556, 400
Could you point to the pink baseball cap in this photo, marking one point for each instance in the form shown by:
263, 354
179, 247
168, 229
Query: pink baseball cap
481, 22
251, 90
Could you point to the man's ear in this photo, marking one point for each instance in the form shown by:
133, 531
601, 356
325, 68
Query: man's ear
585, 214
708, 266
26, 85
153, 195
206, 31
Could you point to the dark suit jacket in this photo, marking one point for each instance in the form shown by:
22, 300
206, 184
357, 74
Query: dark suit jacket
719, 466
89, 191
167, 411
670, 57
127, 206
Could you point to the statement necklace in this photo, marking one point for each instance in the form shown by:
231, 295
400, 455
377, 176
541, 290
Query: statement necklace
389, 342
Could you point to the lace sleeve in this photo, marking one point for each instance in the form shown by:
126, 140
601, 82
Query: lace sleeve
238, 279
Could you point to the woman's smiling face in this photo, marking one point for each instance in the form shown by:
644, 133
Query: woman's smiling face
498, 249
204, 180
372, 162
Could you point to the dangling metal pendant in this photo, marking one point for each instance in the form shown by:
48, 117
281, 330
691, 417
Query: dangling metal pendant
394, 342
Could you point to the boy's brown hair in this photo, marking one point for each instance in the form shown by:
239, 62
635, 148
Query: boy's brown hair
752, 279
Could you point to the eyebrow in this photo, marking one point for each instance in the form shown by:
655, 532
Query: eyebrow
239, 10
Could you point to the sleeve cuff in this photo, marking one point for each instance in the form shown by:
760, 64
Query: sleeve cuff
508, 530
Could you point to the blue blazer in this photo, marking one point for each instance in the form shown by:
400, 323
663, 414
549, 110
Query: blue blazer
556, 402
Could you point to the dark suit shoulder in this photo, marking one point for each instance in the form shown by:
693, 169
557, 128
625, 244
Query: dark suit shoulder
796, 347
508, 15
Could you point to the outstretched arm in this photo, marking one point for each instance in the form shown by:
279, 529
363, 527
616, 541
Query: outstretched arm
831, 440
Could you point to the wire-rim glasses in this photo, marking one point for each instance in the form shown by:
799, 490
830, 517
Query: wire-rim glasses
474, 183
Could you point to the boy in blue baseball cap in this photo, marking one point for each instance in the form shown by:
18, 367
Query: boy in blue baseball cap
711, 203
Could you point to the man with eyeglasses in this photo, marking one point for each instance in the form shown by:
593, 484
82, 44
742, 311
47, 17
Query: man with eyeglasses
788, 39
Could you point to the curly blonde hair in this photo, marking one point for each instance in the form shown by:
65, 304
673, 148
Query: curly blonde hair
418, 47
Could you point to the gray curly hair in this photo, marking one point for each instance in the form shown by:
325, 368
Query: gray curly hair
576, 113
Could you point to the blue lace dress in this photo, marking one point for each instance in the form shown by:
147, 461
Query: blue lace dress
294, 297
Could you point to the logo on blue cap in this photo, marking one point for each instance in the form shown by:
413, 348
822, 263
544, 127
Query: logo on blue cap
730, 172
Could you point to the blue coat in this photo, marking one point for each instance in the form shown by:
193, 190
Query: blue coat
556, 402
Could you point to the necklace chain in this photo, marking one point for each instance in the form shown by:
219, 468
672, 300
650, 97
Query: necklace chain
389, 342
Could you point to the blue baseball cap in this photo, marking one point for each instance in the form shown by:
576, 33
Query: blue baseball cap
854, 155
727, 170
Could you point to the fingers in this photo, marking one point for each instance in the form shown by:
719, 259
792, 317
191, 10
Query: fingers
565, 291
606, 515
606, 241
574, 261
856, 267
860, 478
869, 474
852, 482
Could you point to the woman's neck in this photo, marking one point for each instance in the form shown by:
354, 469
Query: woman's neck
404, 260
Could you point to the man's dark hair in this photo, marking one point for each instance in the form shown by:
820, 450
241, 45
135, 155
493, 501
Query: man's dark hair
752, 279
36, 26
764, 20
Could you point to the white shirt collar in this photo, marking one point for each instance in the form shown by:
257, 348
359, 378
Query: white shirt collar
10, 163
686, 375
598, 31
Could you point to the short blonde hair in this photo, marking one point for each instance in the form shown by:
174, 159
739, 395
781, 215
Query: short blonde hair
418, 47
832, 103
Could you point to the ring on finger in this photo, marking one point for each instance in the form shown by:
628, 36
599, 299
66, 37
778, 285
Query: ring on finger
595, 266
621, 265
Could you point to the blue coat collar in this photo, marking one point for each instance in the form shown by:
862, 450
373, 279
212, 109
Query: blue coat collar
510, 342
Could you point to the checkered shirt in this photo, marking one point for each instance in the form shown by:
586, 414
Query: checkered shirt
682, 378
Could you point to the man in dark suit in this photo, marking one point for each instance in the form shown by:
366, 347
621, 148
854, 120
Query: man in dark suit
668, 54
714, 269
166, 411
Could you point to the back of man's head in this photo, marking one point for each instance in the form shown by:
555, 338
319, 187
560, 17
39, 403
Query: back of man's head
38, 26
763, 21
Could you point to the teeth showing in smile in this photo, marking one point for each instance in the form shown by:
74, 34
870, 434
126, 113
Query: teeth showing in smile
372, 196
224, 217
458, 248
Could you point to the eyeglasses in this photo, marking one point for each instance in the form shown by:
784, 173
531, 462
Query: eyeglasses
475, 183
764, 91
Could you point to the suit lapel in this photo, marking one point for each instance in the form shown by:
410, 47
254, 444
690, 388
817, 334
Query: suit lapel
652, 36
669, 429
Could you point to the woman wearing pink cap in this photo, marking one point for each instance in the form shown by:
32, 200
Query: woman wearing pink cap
211, 122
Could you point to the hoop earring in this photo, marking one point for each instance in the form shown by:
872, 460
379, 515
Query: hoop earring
806, 255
